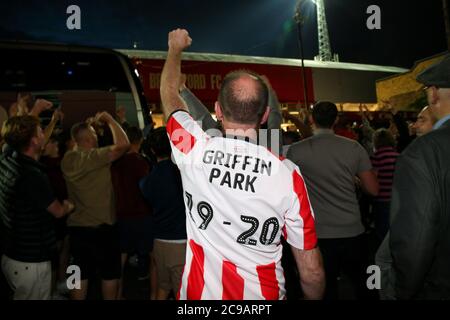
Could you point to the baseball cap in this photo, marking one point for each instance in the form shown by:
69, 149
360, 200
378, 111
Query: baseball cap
437, 75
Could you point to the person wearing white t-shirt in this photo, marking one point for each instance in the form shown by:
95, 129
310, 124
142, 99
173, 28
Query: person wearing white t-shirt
240, 197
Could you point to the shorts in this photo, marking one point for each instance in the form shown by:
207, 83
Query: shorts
136, 235
28, 280
96, 249
170, 259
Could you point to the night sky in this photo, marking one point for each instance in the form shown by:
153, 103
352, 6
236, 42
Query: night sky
410, 30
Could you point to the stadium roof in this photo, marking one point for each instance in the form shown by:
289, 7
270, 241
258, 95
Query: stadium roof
213, 57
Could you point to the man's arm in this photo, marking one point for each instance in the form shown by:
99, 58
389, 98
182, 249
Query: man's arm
275, 119
197, 109
121, 142
39, 106
312, 275
369, 182
170, 97
57, 115
305, 130
415, 220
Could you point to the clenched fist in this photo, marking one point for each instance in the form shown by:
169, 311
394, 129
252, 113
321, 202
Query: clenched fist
179, 40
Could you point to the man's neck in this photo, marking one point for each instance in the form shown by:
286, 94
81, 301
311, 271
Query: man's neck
241, 130
134, 148
320, 130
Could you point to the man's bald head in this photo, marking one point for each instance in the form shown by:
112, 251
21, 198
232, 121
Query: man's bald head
84, 135
425, 121
243, 97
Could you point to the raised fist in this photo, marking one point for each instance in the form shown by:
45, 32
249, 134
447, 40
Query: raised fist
179, 40
103, 117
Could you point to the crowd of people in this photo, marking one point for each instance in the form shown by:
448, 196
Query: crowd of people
232, 207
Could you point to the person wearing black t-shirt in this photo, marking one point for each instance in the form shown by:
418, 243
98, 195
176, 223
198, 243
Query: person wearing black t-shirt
27, 204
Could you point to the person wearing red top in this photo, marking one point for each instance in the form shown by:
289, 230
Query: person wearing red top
132, 211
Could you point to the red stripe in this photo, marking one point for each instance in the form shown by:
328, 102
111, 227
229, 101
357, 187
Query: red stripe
180, 137
232, 282
268, 281
196, 281
309, 230
284, 233
181, 284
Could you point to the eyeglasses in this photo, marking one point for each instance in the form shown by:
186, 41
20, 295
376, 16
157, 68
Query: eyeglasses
425, 88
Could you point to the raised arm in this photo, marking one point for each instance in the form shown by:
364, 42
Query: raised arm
39, 106
275, 119
121, 142
196, 108
57, 115
305, 130
170, 97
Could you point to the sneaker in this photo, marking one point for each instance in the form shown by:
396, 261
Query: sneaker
133, 261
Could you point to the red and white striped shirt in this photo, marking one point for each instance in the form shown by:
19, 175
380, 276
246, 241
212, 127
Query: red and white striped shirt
240, 198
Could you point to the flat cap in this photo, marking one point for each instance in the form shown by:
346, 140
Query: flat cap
437, 74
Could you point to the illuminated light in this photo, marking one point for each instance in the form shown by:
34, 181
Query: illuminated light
136, 72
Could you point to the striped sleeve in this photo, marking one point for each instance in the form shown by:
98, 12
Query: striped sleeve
185, 135
300, 230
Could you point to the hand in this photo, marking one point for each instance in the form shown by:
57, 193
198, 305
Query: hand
57, 115
22, 104
90, 121
68, 206
41, 105
103, 117
179, 40
13, 110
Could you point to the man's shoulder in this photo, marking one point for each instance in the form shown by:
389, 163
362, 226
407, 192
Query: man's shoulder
79, 153
78, 159
32, 172
324, 141
436, 141
71, 154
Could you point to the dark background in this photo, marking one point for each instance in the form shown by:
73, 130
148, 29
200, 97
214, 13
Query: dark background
411, 30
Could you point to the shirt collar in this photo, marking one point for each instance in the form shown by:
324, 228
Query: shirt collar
439, 124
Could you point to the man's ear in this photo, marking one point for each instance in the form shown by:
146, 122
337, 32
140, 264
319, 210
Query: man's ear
218, 110
335, 122
265, 115
433, 95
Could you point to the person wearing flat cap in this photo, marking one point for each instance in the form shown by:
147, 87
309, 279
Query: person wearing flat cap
414, 257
